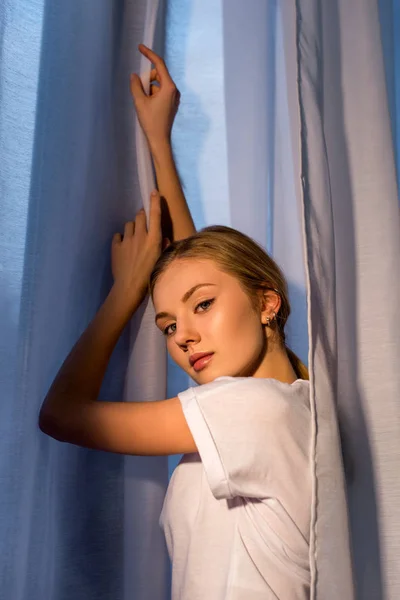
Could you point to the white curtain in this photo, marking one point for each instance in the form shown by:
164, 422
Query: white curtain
351, 207
284, 133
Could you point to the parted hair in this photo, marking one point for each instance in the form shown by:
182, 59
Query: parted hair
238, 255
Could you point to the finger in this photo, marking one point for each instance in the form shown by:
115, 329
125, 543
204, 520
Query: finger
157, 61
137, 90
140, 222
154, 89
129, 229
155, 217
117, 238
154, 76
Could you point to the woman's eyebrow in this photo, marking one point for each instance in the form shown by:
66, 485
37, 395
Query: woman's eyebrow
185, 298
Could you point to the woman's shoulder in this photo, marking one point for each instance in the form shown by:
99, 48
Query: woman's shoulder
256, 387
263, 383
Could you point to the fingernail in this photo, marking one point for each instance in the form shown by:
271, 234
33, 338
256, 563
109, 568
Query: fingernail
154, 193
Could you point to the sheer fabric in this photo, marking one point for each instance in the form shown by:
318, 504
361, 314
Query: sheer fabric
288, 130
73, 522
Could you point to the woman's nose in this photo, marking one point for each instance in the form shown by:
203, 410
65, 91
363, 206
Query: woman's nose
185, 334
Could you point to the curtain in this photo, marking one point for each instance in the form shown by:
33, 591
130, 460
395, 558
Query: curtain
73, 522
353, 231
287, 130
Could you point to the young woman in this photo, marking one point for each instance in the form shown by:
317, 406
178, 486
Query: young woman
237, 511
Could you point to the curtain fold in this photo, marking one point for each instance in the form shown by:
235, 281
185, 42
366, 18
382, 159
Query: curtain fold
69, 517
146, 564
353, 242
330, 540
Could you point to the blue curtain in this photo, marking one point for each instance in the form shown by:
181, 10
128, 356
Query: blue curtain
389, 13
68, 181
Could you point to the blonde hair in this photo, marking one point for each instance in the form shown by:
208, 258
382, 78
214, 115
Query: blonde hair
238, 255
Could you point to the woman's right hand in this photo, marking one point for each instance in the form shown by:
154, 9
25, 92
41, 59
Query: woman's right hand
134, 254
156, 111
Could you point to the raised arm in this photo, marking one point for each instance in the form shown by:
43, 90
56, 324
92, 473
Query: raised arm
156, 113
71, 411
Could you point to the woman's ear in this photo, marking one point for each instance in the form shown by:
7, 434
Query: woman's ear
270, 304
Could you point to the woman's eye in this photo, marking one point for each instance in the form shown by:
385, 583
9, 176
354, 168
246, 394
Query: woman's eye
209, 302
165, 331
205, 305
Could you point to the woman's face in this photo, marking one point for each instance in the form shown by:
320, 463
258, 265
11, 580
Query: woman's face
216, 318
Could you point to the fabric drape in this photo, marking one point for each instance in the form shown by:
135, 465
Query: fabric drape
287, 130
351, 211
73, 522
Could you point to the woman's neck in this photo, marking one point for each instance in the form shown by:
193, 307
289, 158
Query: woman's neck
276, 365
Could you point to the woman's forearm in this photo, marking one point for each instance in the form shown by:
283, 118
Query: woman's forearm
80, 376
170, 188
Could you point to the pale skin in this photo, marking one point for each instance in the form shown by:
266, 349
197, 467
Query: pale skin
217, 318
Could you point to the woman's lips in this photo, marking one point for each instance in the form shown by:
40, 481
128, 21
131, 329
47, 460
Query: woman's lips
202, 362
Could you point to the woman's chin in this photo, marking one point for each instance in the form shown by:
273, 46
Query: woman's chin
208, 375
204, 376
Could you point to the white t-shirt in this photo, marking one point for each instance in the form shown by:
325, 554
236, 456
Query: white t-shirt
236, 515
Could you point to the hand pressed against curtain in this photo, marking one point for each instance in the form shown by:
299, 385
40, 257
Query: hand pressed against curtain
156, 112
134, 254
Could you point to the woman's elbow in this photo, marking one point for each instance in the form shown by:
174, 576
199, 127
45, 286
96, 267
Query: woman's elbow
50, 424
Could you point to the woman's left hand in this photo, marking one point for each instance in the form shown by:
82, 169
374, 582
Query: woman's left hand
156, 112
134, 255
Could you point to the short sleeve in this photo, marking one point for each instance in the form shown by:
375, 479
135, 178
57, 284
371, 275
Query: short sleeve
250, 433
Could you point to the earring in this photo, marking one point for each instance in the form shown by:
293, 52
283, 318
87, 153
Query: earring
268, 319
